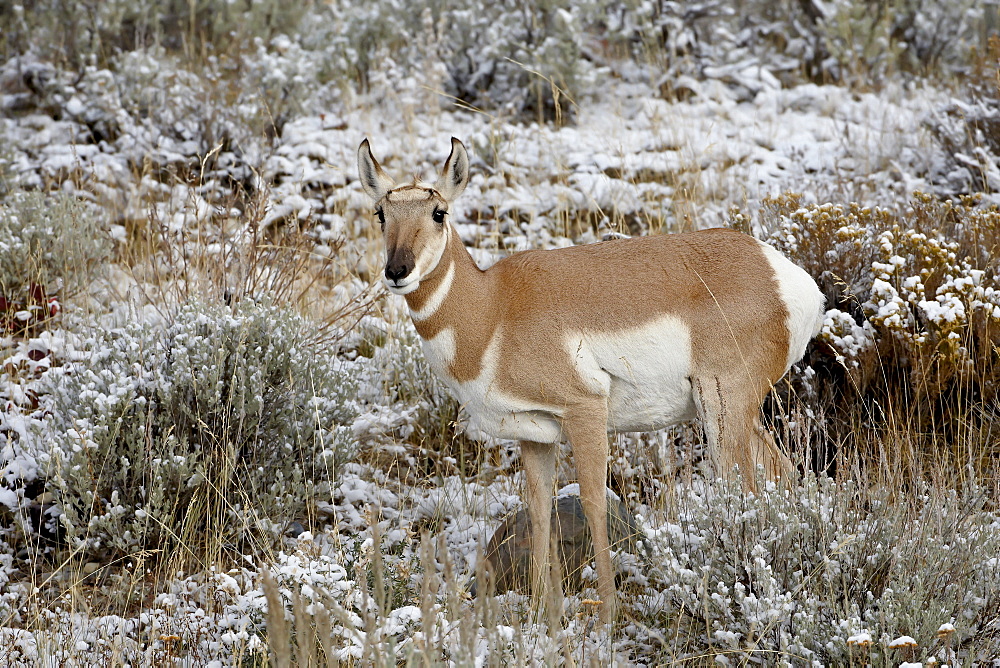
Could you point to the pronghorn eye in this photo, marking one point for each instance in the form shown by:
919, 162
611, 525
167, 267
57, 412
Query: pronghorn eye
438, 216
381, 217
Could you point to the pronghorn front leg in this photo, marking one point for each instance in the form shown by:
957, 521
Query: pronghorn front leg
539, 461
587, 430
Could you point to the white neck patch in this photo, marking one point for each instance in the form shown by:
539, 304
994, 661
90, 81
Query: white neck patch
437, 297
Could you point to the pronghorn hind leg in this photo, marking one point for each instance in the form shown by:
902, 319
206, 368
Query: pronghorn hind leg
539, 461
736, 438
776, 463
712, 407
588, 435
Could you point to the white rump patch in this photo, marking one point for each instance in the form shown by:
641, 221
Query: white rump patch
803, 301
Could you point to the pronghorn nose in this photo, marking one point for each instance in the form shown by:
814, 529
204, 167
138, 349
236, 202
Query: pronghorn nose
394, 272
399, 263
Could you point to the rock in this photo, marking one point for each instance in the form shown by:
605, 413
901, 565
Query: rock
508, 555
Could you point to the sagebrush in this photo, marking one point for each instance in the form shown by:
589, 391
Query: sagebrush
219, 427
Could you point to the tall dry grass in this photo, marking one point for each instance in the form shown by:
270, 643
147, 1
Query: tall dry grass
907, 428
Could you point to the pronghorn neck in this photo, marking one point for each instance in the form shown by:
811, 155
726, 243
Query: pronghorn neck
455, 273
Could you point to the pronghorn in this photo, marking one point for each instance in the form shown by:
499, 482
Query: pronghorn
622, 335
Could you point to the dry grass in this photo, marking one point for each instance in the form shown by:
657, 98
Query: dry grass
898, 440
908, 428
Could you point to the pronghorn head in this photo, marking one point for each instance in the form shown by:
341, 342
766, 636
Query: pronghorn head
413, 217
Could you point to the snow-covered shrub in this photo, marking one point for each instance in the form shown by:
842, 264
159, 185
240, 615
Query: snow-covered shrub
75, 33
861, 42
515, 56
314, 600
925, 281
510, 56
172, 120
8, 599
50, 247
216, 425
507, 55
865, 41
175, 119
53, 241
789, 577
6, 169
914, 304
969, 130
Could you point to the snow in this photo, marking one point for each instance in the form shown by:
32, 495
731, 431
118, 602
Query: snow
9, 498
729, 152
630, 157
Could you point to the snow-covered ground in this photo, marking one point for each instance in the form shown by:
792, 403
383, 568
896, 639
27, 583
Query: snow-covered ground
146, 141
628, 154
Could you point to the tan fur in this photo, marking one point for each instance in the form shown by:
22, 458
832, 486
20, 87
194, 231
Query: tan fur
625, 283
717, 283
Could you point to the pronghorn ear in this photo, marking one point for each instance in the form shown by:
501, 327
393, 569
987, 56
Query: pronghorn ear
375, 182
455, 175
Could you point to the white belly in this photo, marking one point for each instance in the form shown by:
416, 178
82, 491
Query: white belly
513, 420
643, 372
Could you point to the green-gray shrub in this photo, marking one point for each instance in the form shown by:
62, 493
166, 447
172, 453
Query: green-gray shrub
6, 170
76, 33
200, 432
787, 577
861, 42
503, 56
52, 241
